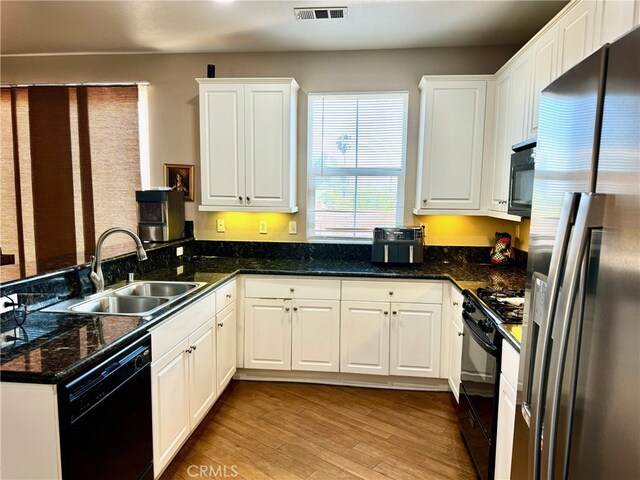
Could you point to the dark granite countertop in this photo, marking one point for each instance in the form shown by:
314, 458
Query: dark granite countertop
60, 345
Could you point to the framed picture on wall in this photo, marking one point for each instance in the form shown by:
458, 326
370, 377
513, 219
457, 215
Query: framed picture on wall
180, 178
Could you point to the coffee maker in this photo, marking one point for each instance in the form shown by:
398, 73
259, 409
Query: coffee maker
160, 215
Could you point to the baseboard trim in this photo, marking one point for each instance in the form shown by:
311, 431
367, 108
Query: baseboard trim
345, 379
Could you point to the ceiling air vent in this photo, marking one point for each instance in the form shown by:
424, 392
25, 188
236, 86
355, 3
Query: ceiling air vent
325, 13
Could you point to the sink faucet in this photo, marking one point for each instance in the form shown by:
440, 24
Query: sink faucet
95, 276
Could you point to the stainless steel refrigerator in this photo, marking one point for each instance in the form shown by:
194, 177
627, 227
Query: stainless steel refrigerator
578, 412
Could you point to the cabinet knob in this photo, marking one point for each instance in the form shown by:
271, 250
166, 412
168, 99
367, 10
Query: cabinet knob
390, 293
228, 295
188, 350
248, 199
295, 309
286, 309
240, 198
221, 324
424, 200
455, 304
193, 347
386, 312
292, 290
461, 334
395, 312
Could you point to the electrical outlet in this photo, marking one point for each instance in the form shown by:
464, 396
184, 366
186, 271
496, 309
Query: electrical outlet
293, 227
3, 298
263, 226
179, 270
517, 231
220, 225
179, 251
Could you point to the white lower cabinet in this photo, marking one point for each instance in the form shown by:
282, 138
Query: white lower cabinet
267, 326
455, 341
315, 335
364, 337
415, 340
506, 411
398, 336
292, 323
183, 388
226, 331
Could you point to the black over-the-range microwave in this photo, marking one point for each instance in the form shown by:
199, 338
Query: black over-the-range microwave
521, 178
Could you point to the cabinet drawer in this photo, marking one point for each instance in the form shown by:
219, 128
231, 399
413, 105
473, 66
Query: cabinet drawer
456, 300
396, 291
225, 296
510, 364
166, 335
292, 287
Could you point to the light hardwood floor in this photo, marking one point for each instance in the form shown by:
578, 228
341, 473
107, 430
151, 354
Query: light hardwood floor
267, 430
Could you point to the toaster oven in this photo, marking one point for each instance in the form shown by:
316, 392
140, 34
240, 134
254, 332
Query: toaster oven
397, 245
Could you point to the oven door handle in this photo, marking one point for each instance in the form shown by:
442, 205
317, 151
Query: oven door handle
486, 346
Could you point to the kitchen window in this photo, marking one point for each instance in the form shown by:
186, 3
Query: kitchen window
356, 163
72, 158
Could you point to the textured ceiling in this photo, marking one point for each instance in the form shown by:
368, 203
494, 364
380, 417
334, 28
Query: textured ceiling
52, 27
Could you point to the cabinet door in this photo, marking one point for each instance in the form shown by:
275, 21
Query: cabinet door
502, 150
520, 99
202, 371
613, 19
504, 436
267, 334
315, 335
222, 141
226, 346
415, 340
451, 145
543, 57
455, 361
364, 338
575, 35
268, 130
170, 404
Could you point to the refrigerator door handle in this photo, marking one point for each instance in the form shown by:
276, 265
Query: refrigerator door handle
539, 355
590, 216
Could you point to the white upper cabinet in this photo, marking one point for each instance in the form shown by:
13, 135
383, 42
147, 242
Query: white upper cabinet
544, 54
248, 144
614, 18
501, 147
450, 149
575, 35
520, 99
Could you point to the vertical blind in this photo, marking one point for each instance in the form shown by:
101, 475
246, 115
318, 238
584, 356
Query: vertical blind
70, 165
356, 163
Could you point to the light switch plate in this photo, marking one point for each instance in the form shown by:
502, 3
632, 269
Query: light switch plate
263, 226
179, 251
220, 225
293, 227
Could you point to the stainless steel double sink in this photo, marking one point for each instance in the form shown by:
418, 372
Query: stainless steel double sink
139, 299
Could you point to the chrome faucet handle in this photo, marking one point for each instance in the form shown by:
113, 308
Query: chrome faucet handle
130, 277
95, 276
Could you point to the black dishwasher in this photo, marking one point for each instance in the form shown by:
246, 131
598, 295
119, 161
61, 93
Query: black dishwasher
105, 418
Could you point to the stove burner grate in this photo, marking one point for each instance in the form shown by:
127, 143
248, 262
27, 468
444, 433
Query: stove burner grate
509, 312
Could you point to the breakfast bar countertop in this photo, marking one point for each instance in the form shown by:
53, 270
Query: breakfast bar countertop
60, 345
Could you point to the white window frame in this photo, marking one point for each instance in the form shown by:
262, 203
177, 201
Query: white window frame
311, 233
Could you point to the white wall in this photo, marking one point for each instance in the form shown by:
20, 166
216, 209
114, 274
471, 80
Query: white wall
173, 102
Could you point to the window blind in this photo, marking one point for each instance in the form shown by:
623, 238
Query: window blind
356, 163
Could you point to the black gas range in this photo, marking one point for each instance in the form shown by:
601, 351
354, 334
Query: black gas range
480, 372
